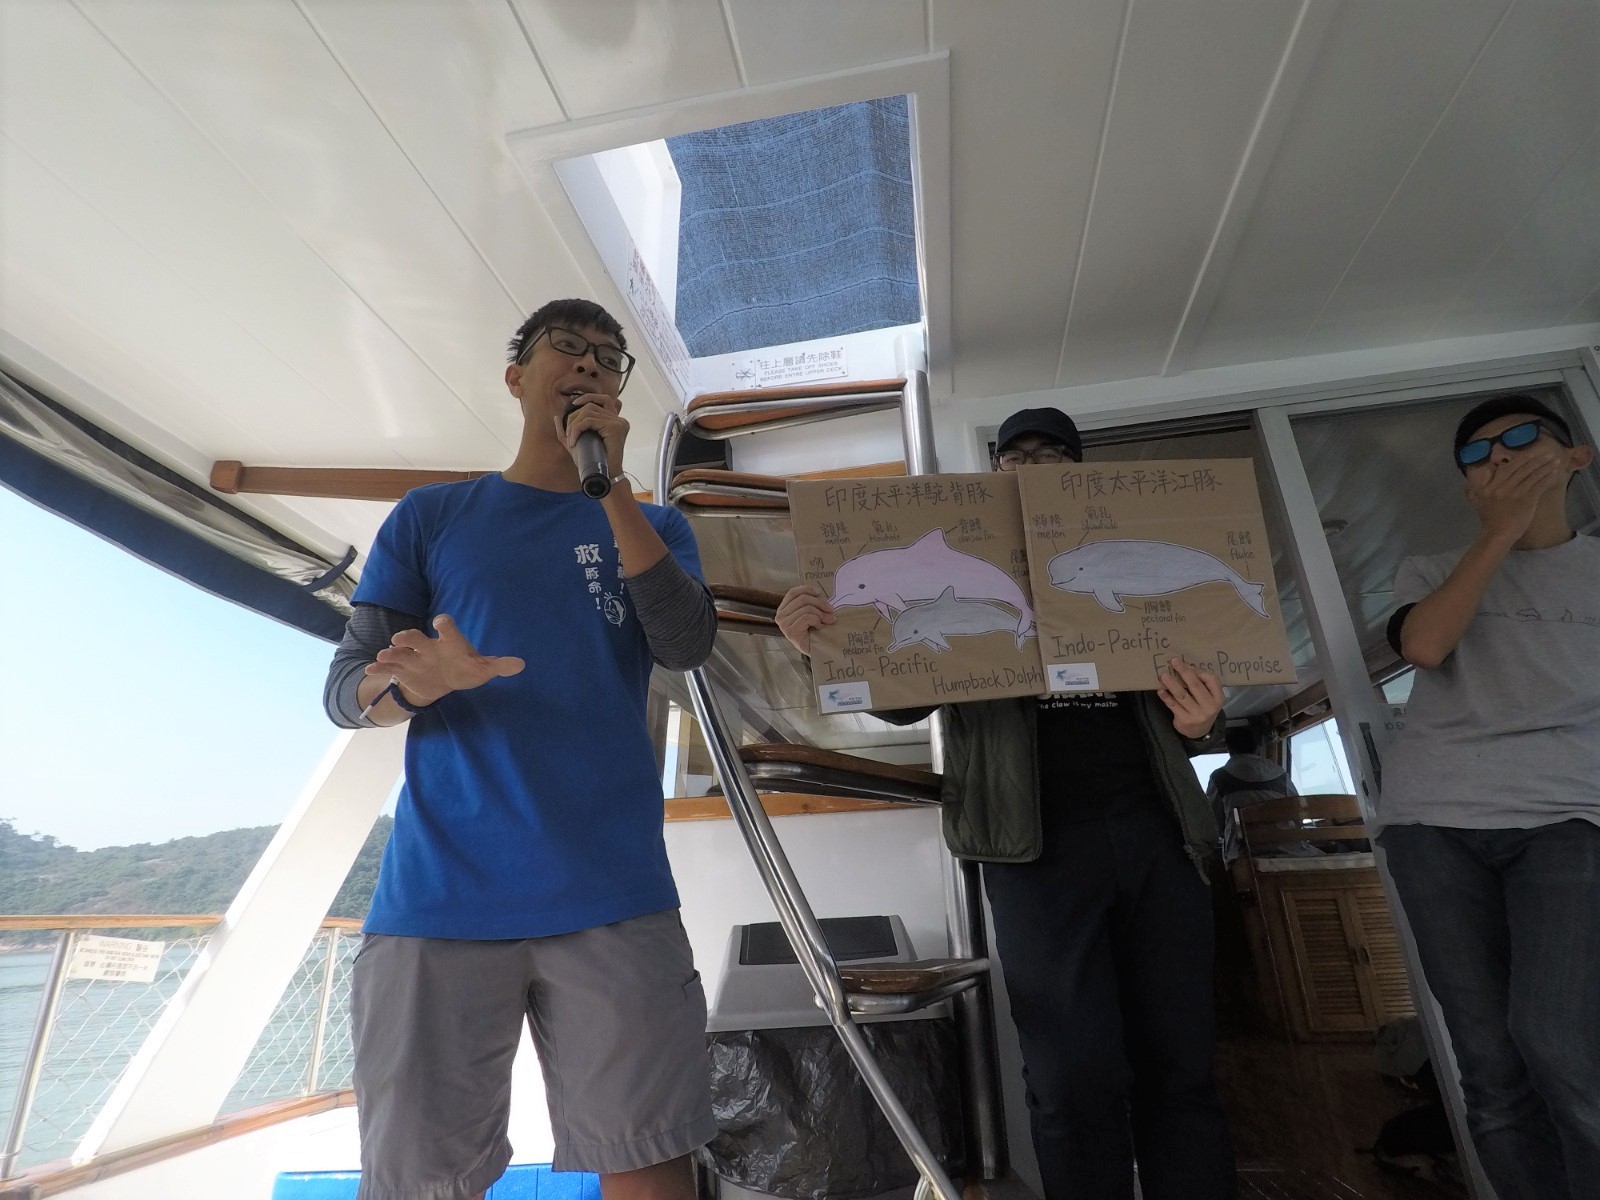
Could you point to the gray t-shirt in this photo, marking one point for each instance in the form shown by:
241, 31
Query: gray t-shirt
1505, 734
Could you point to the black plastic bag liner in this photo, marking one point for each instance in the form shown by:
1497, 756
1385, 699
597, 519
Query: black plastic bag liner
796, 1120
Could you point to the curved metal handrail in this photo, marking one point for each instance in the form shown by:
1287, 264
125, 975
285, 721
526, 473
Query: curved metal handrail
805, 935
794, 912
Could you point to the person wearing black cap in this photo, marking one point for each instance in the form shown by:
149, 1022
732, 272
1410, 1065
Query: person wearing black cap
1491, 800
1091, 824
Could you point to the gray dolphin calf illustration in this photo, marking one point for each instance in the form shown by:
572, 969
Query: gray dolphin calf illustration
894, 579
1113, 569
935, 622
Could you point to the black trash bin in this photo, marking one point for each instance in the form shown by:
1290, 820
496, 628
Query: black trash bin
794, 1116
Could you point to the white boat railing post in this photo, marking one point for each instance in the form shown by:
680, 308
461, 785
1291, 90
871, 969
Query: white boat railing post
38, 1045
186, 1066
325, 1002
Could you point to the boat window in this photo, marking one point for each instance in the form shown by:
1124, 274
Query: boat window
796, 227
1398, 689
1317, 764
153, 710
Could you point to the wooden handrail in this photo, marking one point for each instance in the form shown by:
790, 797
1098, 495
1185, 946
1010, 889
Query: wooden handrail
60, 1175
231, 477
11, 921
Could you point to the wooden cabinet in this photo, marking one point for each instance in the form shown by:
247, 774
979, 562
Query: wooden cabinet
1335, 952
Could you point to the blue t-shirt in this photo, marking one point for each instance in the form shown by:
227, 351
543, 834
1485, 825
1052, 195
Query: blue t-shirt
531, 804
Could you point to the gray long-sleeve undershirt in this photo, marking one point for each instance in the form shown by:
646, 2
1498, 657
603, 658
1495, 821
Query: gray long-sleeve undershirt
674, 608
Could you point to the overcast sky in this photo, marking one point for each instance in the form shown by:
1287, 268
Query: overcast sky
135, 707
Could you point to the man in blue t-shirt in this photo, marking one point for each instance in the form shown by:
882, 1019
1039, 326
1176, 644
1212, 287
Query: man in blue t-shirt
514, 621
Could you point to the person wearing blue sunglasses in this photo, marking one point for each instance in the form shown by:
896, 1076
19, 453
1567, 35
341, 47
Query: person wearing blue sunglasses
1491, 800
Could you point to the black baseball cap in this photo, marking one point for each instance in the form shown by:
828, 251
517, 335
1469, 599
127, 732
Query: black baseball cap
1519, 404
1051, 423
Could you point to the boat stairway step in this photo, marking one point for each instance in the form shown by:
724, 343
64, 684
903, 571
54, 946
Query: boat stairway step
877, 989
718, 415
783, 766
713, 492
746, 609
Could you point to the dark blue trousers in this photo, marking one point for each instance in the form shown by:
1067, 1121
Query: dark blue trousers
1507, 923
1106, 943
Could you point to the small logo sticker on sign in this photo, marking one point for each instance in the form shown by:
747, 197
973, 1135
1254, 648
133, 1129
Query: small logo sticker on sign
1074, 677
844, 697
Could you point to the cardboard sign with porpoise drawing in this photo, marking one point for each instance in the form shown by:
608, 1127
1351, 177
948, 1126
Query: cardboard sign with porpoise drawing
1134, 563
1062, 578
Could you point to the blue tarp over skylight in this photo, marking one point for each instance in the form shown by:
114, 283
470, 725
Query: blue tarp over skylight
796, 227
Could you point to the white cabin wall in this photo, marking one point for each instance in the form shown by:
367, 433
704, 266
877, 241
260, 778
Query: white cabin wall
959, 422
850, 864
643, 184
963, 424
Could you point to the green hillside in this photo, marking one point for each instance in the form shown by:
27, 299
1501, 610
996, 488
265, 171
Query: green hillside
189, 875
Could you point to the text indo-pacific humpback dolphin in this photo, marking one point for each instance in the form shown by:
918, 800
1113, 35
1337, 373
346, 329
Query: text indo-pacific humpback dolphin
935, 622
893, 580
1113, 569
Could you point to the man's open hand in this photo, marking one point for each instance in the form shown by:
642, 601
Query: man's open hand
427, 668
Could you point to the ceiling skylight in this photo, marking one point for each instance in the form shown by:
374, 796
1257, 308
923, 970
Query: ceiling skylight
796, 227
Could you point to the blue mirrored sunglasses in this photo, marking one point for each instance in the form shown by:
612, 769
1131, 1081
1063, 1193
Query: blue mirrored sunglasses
1515, 438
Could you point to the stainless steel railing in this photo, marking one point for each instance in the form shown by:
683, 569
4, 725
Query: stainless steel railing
964, 908
805, 935
85, 1031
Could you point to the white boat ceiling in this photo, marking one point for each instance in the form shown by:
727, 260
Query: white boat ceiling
294, 232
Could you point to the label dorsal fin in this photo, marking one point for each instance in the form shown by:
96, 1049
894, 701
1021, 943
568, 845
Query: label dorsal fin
948, 594
932, 533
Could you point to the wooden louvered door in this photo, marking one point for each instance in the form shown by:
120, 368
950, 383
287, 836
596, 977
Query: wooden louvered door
1382, 965
1331, 998
1341, 968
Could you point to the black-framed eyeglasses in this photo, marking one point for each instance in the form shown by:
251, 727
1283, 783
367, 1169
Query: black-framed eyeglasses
612, 358
1010, 460
1515, 438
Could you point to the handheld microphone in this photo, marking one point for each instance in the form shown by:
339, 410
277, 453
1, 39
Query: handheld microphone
590, 455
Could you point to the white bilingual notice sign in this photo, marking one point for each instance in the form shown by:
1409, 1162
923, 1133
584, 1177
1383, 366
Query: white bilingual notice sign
655, 324
802, 366
121, 960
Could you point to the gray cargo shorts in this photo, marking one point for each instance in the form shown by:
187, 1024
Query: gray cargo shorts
617, 1014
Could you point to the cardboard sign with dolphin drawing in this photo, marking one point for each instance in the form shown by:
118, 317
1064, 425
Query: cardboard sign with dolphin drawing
929, 577
1135, 562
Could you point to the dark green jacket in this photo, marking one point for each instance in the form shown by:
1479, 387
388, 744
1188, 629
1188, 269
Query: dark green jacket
990, 788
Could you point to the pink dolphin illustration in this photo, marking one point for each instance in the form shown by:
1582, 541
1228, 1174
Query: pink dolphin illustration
893, 580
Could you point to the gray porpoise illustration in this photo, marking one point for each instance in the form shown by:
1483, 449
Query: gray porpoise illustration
1113, 569
935, 622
